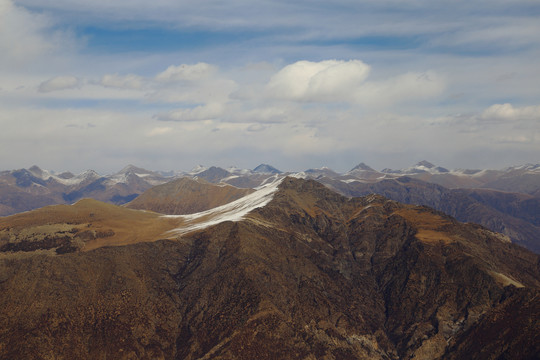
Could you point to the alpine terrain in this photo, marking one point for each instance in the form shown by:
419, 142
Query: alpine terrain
292, 270
505, 201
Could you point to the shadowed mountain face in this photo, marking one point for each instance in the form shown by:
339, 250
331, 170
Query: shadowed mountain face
513, 214
310, 275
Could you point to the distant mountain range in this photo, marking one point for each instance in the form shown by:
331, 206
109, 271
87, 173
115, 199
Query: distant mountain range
506, 200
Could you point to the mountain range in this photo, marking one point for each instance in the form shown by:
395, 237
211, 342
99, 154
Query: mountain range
506, 200
290, 270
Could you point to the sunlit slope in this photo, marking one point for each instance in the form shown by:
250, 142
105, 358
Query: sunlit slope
187, 196
91, 224
86, 225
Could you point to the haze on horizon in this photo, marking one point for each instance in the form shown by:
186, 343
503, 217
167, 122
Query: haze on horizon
167, 85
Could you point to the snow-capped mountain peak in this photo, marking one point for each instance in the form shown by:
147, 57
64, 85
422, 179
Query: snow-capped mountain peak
197, 169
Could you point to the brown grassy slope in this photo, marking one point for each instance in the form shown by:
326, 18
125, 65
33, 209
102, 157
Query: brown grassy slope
186, 196
86, 225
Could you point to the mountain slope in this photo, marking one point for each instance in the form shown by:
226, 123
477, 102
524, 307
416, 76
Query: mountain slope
84, 226
515, 215
308, 274
186, 196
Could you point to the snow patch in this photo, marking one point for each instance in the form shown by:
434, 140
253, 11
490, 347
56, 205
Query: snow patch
75, 180
197, 169
299, 175
234, 211
117, 179
230, 178
238, 171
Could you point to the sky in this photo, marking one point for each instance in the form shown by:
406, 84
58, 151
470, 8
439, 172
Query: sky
167, 85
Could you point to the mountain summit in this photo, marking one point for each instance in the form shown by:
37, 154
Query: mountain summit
266, 169
362, 166
426, 164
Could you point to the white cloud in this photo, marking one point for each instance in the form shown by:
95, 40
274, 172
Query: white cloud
256, 127
187, 72
129, 81
160, 131
346, 81
265, 115
209, 111
60, 83
191, 84
518, 139
329, 80
25, 37
405, 88
507, 112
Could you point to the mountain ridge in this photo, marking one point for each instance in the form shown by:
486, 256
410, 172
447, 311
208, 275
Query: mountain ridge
483, 191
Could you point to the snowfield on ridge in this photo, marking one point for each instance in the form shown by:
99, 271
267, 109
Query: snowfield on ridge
233, 211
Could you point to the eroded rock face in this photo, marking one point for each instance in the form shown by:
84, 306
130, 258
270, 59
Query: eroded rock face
312, 275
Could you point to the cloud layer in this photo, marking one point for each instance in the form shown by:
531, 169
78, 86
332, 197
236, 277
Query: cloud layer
60, 83
169, 85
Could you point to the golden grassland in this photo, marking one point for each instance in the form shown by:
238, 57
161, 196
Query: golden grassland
187, 196
429, 226
98, 224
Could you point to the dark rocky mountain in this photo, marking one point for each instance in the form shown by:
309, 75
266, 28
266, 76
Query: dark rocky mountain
214, 174
515, 215
308, 275
362, 166
242, 178
321, 172
363, 172
266, 169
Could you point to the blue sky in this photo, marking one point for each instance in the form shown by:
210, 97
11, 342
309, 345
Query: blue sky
172, 84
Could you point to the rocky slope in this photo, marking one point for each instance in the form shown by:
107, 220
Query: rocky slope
513, 214
308, 275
